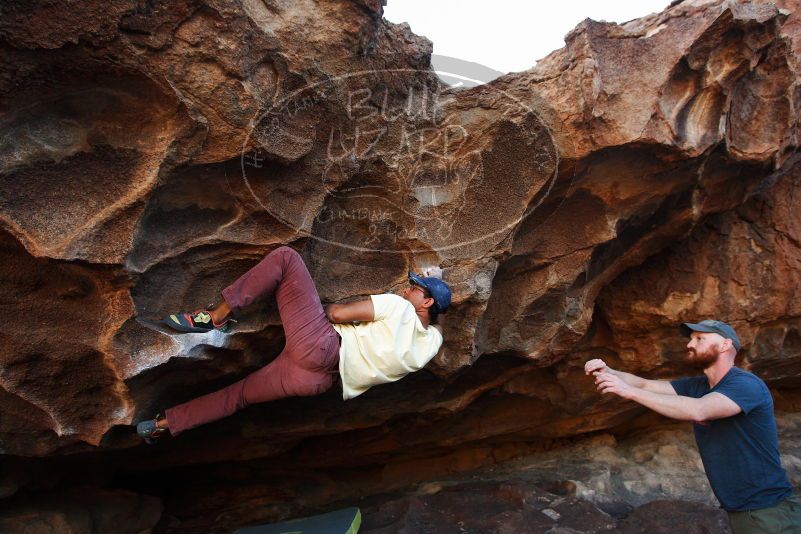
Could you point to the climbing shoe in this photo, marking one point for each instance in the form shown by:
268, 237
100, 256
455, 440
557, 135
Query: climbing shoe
149, 430
199, 321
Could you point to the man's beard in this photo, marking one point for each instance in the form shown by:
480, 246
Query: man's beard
703, 360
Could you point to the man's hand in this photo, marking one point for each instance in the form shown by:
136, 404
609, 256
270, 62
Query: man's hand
595, 366
609, 383
433, 272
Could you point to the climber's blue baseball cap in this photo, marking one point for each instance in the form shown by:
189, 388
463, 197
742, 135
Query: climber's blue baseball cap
438, 290
710, 326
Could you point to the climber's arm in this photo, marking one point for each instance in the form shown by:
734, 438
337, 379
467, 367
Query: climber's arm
354, 311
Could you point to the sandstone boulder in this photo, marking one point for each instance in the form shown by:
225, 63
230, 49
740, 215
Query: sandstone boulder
643, 175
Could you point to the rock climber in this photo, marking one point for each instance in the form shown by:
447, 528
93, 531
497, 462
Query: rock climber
365, 343
735, 429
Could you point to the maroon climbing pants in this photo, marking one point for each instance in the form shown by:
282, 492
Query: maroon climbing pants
310, 357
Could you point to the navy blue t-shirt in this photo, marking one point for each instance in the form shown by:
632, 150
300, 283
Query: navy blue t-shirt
740, 453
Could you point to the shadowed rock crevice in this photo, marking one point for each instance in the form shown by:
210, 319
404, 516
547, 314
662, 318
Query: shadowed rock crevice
190, 209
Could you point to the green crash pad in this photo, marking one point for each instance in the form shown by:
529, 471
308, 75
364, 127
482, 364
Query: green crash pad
345, 521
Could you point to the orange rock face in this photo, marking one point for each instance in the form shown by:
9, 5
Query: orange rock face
644, 175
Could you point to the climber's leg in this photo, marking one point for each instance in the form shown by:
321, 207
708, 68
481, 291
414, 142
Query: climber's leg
289, 375
306, 365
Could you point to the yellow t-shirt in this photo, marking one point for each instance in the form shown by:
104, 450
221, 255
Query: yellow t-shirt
385, 349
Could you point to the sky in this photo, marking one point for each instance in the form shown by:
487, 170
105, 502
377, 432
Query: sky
507, 35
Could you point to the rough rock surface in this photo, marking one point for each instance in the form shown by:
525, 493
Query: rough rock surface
513, 507
645, 174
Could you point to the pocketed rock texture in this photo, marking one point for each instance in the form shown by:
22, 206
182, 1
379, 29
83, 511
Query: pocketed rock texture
644, 175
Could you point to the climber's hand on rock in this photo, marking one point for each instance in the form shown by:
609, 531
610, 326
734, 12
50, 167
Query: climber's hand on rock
609, 383
595, 366
433, 272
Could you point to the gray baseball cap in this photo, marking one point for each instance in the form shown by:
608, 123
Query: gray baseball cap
711, 326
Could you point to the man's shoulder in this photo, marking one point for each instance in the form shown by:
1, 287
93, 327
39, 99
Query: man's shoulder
747, 390
742, 375
742, 378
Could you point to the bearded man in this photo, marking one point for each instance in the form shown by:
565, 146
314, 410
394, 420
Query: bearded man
735, 429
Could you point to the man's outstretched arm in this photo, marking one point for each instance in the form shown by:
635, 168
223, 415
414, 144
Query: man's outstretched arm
710, 406
656, 386
361, 311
